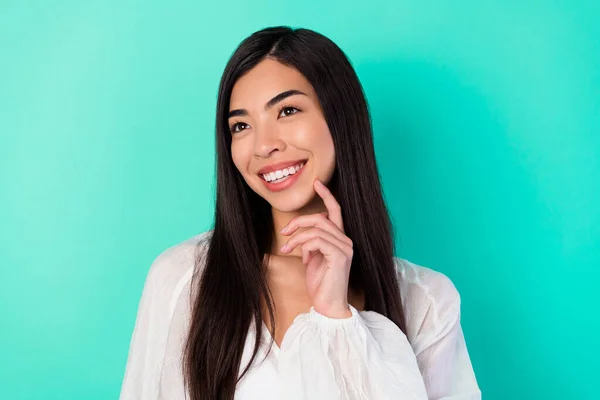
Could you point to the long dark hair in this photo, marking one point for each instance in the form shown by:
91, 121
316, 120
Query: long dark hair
230, 278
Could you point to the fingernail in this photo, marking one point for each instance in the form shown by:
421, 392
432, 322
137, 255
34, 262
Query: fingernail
284, 248
284, 229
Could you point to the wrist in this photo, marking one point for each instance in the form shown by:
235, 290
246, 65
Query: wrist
341, 311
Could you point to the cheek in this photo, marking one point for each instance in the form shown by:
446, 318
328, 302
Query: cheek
325, 152
241, 155
314, 136
316, 139
238, 156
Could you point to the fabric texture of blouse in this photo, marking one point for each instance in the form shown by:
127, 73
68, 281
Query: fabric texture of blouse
365, 356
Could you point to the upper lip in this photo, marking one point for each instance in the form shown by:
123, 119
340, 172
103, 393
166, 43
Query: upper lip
279, 165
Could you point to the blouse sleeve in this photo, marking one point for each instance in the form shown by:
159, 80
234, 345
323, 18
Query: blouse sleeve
365, 356
143, 363
164, 282
444, 360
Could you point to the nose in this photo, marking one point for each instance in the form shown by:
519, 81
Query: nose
266, 140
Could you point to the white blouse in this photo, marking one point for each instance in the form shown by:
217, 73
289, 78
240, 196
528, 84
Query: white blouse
365, 356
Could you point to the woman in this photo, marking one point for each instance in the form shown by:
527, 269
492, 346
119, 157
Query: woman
295, 293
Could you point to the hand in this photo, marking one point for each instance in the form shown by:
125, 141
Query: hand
326, 252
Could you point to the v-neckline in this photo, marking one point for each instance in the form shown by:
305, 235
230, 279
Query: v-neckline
264, 331
267, 335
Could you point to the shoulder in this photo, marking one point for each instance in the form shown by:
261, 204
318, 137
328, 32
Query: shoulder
430, 301
425, 284
174, 266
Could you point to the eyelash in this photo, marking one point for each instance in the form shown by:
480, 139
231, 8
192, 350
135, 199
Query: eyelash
283, 107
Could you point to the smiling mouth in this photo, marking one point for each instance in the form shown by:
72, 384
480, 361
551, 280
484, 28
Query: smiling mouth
283, 174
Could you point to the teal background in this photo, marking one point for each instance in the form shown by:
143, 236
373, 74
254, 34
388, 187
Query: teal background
487, 124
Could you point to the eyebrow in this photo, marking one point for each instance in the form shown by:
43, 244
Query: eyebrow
270, 103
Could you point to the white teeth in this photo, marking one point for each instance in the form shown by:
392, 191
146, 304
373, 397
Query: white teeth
271, 176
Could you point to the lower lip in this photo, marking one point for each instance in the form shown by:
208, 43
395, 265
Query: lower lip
286, 183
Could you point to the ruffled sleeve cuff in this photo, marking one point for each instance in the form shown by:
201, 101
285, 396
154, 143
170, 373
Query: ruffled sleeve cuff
325, 322
331, 358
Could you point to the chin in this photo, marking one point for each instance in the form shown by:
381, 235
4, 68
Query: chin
290, 200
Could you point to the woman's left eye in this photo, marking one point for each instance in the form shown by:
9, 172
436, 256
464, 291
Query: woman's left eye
286, 111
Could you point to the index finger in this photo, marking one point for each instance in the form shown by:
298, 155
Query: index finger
333, 207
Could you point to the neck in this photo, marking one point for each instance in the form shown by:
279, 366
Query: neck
282, 218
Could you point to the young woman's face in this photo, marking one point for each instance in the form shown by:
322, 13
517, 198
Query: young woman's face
276, 117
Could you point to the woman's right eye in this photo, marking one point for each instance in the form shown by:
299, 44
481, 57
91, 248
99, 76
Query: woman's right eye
237, 127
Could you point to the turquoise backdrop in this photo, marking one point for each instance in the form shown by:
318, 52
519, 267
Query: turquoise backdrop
487, 129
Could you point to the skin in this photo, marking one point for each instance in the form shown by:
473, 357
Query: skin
267, 136
314, 269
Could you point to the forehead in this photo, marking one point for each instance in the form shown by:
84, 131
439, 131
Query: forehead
266, 80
